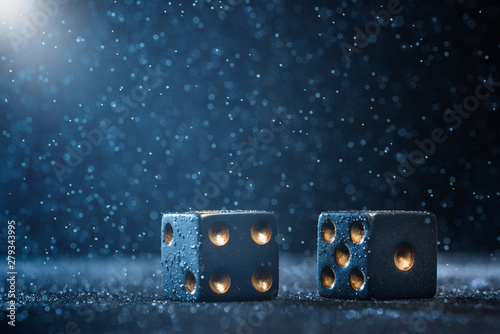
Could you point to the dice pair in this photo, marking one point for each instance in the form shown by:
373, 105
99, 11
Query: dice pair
233, 255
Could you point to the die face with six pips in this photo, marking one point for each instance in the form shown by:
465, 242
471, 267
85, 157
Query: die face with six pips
377, 254
220, 256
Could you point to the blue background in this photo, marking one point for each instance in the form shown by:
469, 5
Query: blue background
223, 74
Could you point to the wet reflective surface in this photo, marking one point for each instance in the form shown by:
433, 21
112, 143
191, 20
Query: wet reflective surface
110, 295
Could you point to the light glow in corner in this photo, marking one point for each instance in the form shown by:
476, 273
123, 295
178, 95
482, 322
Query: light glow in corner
11, 10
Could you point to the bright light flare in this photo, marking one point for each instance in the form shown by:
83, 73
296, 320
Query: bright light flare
12, 10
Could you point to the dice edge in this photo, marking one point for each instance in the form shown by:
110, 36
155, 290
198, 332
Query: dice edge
197, 296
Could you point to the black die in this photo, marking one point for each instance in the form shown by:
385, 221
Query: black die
377, 254
219, 256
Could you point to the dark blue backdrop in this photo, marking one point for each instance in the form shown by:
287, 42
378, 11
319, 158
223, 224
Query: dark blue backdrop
112, 113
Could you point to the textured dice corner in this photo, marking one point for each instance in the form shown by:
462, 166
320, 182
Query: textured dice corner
219, 256
377, 254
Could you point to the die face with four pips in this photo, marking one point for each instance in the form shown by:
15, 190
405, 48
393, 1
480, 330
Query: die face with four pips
220, 256
377, 254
